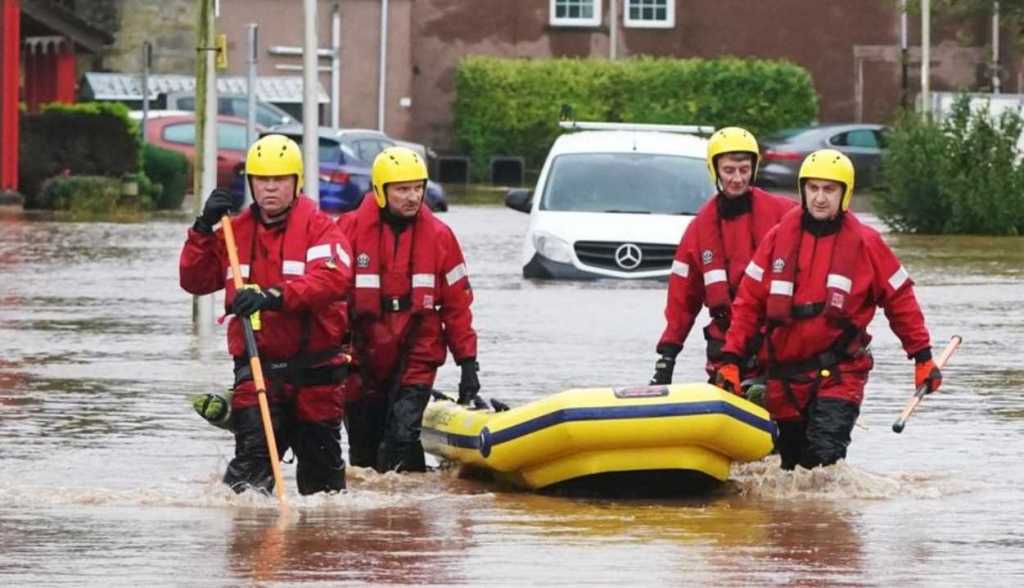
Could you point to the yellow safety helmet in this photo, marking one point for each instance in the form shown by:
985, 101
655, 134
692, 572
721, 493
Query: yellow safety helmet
395, 164
275, 155
828, 164
731, 140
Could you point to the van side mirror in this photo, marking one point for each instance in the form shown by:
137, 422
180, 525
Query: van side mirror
519, 199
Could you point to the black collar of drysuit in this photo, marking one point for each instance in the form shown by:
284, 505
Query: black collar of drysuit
733, 207
396, 222
821, 228
272, 222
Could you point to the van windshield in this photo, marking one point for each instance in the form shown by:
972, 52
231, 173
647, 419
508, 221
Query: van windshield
627, 183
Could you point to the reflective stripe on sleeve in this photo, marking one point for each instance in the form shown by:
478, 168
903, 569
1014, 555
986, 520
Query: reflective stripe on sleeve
781, 287
755, 271
367, 280
345, 259
423, 280
840, 282
898, 278
458, 272
318, 252
680, 268
294, 268
715, 276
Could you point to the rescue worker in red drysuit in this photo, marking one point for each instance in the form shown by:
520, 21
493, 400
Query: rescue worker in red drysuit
298, 263
715, 249
815, 282
411, 304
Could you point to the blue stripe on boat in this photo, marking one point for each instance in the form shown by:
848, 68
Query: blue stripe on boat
487, 439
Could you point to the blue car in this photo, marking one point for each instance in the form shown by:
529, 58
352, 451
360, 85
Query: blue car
345, 160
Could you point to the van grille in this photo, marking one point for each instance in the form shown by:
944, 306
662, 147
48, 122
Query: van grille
654, 256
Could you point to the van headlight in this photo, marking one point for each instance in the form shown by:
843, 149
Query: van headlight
552, 247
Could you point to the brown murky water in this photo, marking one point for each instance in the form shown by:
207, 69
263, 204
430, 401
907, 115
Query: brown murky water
107, 478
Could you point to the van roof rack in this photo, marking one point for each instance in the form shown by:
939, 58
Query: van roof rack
573, 125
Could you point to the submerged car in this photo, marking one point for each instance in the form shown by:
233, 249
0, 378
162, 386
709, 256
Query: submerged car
613, 203
782, 153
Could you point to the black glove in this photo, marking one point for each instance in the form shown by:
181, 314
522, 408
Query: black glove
217, 205
469, 384
663, 369
249, 300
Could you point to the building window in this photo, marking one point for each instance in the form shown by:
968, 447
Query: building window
575, 13
652, 14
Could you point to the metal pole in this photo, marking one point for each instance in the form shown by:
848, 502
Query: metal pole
996, 83
613, 27
250, 119
336, 66
926, 37
383, 77
203, 312
147, 60
904, 57
310, 119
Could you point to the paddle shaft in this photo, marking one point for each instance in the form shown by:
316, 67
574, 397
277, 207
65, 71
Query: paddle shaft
254, 362
901, 422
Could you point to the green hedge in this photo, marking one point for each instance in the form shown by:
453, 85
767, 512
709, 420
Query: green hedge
93, 196
960, 175
511, 107
169, 172
90, 139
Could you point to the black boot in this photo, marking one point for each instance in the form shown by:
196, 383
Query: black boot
829, 424
251, 467
317, 449
401, 449
364, 426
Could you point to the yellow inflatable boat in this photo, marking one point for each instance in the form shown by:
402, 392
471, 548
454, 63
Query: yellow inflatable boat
587, 434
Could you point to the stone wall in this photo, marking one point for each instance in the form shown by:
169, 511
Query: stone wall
168, 24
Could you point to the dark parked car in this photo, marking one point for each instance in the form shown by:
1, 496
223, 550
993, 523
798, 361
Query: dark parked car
783, 152
345, 159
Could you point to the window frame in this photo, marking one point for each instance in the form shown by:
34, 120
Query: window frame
594, 21
668, 23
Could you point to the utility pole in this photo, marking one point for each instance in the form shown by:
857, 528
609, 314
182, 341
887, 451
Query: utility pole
204, 168
147, 62
310, 106
613, 30
250, 118
336, 66
382, 79
904, 57
996, 82
926, 39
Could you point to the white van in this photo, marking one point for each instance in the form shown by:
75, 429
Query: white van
613, 203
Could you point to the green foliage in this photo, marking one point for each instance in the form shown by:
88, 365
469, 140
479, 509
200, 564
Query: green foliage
169, 172
511, 107
960, 175
90, 196
81, 139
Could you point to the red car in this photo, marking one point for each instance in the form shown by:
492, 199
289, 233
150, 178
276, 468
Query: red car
178, 133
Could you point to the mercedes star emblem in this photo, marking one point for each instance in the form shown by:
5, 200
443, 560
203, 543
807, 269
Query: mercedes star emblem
628, 256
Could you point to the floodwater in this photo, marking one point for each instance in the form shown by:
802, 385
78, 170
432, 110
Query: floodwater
108, 478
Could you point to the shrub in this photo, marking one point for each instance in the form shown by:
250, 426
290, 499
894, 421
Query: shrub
511, 107
89, 196
91, 139
169, 172
959, 175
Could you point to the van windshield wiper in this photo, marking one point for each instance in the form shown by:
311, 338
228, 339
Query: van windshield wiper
617, 211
